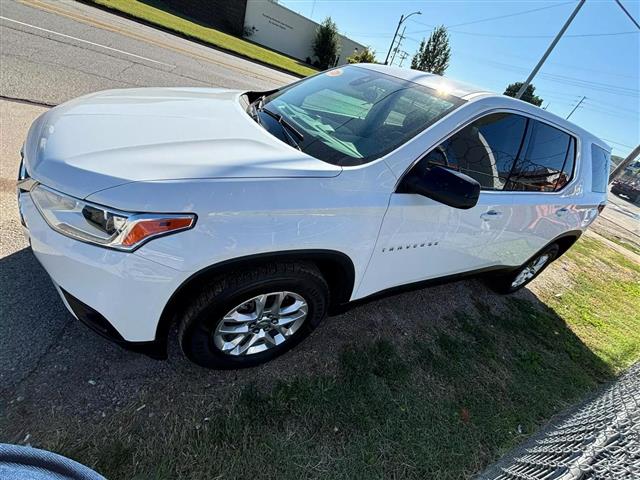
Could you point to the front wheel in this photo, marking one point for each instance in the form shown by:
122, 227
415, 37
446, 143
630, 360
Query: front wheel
247, 318
513, 281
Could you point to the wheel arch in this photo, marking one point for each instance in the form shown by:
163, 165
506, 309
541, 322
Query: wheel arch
336, 267
566, 240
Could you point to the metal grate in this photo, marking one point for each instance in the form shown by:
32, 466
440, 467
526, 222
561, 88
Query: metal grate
601, 440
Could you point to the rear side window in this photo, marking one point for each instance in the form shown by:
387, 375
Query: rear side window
547, 163
600, 160
485, 150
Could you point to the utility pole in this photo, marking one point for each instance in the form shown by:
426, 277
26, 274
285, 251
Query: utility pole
623, 164
313, 7
628, 14
549, 49
403, 55
393, 41
395, 50
576, 107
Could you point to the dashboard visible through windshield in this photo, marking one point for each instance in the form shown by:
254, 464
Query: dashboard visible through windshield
350, 115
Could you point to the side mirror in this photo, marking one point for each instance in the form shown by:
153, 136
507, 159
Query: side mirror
442, 185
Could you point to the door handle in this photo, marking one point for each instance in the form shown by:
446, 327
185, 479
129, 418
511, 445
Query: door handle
561, 211
488, 215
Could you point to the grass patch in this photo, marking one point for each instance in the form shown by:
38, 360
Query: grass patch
441, 403
603, 309
622, 242
216, 38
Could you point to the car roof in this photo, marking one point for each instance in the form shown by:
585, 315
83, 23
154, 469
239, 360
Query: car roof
431, 80
472, 93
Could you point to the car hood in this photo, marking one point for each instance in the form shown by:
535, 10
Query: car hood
114, 137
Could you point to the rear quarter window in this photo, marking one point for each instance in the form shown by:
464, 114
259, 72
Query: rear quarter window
600, 161
547, 163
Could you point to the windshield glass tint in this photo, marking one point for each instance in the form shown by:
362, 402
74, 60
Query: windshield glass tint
351, 115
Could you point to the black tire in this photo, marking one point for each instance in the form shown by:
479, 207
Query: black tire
222, 294
503, 283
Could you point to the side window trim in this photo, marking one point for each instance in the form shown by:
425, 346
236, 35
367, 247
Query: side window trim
573, 145
576, 140
524, 145
571, 152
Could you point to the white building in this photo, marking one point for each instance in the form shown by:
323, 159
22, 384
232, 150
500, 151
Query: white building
286, 31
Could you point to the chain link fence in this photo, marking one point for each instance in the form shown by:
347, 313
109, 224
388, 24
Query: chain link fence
600, 440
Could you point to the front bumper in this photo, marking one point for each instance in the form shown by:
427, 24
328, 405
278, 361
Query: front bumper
119, 295
96, 322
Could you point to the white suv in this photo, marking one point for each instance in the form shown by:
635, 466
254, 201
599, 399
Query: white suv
246, 217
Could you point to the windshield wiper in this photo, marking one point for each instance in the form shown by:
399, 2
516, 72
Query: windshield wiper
257, 104
286, 126
255, 107
282, 121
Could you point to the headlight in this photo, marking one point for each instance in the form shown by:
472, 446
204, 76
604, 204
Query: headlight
104, 226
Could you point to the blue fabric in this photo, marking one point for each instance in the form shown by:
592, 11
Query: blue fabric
27, 463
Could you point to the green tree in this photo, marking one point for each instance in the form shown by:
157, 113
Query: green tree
527, 96
326, 45
433, 55
365, 56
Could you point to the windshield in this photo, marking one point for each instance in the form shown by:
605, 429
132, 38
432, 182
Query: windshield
350, 115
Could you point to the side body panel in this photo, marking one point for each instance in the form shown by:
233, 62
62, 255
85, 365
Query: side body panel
422, 239
242, 217
539, 217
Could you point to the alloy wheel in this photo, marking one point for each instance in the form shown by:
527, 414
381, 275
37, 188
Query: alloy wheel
260, 323
530, 270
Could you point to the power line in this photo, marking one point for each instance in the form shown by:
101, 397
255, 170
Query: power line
601, 104
592, 84
370, 34
611, 112
563, 79
559, 97
561, 64
488, 19
524, 12
494, 35
618, 143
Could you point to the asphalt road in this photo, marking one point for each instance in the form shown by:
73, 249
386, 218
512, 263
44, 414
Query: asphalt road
51, 52
624, 213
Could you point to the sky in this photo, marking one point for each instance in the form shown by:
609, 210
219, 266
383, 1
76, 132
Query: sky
598, 57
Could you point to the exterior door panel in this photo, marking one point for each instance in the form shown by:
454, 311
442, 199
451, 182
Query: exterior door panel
421, 239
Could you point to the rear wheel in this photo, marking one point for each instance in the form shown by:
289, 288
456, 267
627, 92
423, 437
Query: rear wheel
247, 318
511, 282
